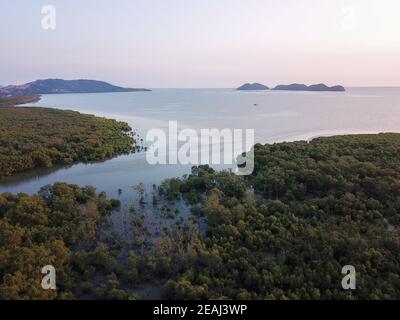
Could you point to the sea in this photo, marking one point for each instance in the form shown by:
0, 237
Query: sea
274, 116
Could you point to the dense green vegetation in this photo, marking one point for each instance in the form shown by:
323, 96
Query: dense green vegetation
13, 101
68, 226
56, 227
40, 137
284, 232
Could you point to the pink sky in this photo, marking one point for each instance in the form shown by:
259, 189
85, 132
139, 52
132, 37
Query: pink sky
208, 43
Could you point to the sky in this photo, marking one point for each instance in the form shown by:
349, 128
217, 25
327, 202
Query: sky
203, 43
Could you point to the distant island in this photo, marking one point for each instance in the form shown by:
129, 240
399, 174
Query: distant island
252, 86
291, 87
314, 87
50, 86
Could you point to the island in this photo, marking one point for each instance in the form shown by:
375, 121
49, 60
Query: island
50, 86
314, 87
252, 86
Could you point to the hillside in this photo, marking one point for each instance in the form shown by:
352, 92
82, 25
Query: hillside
252, 86
49, 86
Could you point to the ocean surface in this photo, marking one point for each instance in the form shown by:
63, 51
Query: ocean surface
275, 116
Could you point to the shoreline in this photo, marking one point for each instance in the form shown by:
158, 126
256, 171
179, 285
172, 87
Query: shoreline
13, 101
136, 168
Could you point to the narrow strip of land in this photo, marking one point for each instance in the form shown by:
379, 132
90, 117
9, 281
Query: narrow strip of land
33, 137
13, 101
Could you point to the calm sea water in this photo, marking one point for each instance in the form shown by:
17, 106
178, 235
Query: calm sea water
274, 115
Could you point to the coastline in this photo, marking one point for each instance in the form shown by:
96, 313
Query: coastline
144, 112
6, 102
